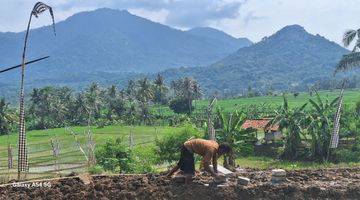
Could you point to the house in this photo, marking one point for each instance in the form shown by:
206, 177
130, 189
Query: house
271, 133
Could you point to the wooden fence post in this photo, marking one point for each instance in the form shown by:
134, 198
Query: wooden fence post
10, 157
56, 151
131, 140
91, 148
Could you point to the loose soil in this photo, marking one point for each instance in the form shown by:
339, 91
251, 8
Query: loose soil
300, 184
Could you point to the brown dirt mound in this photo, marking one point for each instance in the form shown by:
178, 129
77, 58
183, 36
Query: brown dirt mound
302, 184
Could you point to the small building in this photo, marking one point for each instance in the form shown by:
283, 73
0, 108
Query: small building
271, 133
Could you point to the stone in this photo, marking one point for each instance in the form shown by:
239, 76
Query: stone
239, 170
278, 172
224, 171
243, 180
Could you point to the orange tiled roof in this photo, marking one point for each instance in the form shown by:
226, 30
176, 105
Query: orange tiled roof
259, 124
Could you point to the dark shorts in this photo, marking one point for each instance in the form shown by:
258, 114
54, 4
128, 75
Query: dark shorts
186, 162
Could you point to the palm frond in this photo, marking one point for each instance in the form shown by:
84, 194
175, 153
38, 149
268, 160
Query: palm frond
348, 62
348, 37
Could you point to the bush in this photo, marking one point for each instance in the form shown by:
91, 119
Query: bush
244, 149
168, 148
97, 169
144, 158
180, 106
114, 156
346, 155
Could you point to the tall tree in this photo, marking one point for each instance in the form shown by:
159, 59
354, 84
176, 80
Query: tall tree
160, 90
93, 99
187, 89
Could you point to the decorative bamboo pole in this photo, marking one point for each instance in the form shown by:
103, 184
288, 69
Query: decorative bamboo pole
23, 165
210, 127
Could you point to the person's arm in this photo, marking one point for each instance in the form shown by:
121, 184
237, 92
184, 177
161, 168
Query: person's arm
206, 162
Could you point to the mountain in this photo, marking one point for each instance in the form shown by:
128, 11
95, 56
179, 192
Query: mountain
115, 43
221, 37
290, 59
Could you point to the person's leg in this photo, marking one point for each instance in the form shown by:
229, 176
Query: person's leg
179, 164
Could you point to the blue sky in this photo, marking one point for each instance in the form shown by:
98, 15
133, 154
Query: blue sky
253, 19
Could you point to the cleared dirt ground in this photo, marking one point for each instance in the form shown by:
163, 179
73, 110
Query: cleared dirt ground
302, 184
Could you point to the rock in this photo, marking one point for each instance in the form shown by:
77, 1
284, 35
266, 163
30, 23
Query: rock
278, 172
278, 175
239, 170
224, 171
243, 180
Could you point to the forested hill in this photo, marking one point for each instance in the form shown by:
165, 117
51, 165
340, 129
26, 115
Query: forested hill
108, 46
290, 59
114, 41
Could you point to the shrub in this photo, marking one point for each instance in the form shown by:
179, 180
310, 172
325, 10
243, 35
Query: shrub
97, 169
144, 158
114, 156
346, 155
168, 148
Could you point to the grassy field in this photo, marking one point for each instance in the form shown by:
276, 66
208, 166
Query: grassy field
351, 96
41, 159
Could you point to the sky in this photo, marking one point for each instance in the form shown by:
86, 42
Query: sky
253, 19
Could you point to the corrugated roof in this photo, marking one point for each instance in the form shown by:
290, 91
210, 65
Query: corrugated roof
259, 124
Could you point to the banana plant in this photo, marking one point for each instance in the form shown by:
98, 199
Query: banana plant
290, 122
230, 132
320, 125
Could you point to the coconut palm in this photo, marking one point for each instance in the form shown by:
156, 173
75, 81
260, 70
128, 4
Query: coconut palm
352, 59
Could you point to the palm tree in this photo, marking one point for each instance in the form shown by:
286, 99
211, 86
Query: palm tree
160, 89
145, 94
290, 123
93, 100
352, 59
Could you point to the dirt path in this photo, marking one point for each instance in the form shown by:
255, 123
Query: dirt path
304, 184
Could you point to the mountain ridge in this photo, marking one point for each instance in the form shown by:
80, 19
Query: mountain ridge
290, 59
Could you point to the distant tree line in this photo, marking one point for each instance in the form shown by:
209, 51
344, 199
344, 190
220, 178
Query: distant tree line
50, 107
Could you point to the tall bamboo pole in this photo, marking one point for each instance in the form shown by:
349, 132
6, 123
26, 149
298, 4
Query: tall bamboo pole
22, 150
